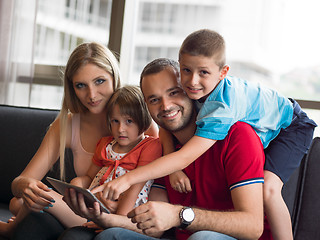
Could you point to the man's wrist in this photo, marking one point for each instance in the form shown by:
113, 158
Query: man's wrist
186, 216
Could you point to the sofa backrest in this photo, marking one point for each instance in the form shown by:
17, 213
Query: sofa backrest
22, 130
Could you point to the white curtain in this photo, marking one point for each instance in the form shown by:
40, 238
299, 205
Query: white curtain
17, 21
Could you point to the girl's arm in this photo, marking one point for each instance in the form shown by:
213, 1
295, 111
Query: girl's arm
178, 180
85, 181
148, 152
163, 166
128, 199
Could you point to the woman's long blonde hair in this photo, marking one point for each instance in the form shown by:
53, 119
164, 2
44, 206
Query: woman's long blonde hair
83, 54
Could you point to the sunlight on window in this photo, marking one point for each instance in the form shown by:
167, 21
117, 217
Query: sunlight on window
61, 25
273, 42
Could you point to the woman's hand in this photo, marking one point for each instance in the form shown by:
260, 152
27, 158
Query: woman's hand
34, 193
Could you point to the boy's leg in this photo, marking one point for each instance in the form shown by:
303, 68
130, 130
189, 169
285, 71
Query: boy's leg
275, 208
283, 156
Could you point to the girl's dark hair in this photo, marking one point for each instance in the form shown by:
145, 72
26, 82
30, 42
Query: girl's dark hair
131, 103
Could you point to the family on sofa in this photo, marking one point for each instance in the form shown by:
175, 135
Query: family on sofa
232, 151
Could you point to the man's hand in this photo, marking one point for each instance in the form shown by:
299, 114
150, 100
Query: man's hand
180, 182
153, 217
77, 204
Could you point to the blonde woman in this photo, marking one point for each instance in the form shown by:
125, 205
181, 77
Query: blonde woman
91, 76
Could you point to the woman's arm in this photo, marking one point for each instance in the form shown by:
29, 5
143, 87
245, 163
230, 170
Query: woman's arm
28, 184
153, 130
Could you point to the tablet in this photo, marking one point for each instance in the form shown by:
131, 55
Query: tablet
89, 198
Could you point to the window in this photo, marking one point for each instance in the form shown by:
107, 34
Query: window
274, 42
266, 41
42, 35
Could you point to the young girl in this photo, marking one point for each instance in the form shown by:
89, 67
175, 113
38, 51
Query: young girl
128, 148
127, 120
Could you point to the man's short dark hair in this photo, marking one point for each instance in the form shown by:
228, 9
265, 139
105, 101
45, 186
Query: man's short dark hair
158, 65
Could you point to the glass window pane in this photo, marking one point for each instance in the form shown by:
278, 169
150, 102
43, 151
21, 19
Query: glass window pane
61, 25
266, 41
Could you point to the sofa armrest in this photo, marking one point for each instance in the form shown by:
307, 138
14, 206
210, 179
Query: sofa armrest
307, 217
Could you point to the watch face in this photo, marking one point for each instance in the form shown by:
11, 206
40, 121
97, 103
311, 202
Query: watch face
188, 214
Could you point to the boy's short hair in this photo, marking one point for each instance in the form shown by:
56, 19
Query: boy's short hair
207, 43
131, 103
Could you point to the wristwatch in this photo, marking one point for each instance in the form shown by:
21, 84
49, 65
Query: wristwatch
186, 217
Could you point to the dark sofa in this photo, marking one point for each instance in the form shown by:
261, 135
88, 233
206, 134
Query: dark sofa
22, 130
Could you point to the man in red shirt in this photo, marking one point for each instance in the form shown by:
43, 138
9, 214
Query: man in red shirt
226, 181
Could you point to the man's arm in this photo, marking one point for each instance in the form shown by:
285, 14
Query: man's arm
244, 222
77, 204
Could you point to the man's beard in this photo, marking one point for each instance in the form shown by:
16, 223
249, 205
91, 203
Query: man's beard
184, 122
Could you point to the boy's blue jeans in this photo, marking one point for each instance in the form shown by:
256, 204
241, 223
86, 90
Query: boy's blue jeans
121, 233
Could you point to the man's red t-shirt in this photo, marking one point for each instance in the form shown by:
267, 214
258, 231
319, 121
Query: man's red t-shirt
236, 161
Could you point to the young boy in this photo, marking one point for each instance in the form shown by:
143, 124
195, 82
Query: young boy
284, 129
223, 100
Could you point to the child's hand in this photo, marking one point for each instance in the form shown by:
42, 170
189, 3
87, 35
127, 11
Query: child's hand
111, 205
180, 182
113, 189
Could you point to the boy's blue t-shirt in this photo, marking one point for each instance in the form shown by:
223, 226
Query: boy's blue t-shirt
235, 99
